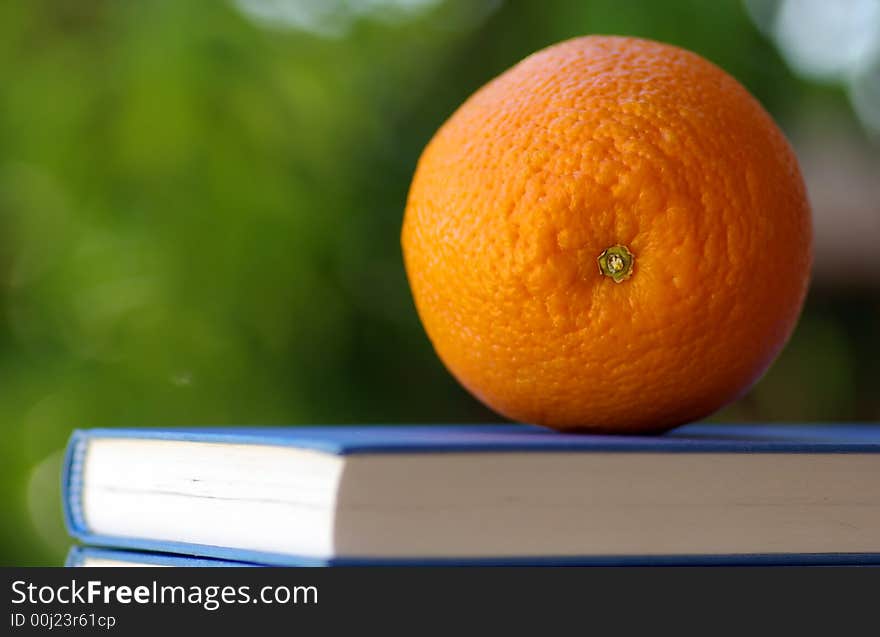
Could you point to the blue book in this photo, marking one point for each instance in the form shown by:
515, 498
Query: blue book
90, 556
491, 494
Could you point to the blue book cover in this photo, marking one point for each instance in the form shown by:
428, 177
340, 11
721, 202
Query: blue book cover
95, 556
349, 441
80, 556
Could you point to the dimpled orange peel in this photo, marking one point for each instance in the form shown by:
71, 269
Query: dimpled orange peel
611, 236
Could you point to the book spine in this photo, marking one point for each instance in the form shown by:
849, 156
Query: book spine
74, 558
71, 488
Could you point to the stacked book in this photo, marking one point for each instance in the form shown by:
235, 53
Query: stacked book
474, 495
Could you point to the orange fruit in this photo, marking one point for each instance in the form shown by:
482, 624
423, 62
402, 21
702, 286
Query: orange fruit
613, 235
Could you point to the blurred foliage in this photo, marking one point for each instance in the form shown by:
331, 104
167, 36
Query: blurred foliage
199, 218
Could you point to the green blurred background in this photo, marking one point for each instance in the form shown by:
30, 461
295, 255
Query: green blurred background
200, 206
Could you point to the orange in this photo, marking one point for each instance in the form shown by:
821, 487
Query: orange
613, 235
